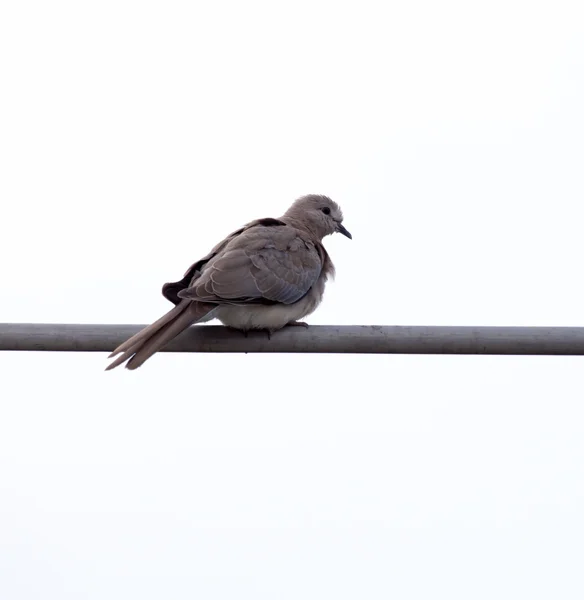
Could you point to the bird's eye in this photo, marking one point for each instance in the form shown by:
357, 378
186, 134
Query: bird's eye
326, 210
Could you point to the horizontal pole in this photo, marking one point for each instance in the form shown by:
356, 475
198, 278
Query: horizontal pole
354, 339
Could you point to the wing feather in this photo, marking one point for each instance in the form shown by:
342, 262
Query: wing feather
262, 264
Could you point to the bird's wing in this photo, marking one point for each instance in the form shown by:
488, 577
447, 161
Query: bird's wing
264, 263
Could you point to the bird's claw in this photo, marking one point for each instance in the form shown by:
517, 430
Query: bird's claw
298, 324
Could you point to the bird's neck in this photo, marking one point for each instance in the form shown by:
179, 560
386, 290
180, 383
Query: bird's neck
303, 226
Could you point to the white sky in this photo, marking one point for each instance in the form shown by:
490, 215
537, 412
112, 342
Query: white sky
134, 136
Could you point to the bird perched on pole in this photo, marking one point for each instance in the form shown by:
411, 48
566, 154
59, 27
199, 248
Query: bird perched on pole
269, 274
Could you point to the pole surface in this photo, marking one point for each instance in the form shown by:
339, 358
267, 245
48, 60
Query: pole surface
354, 339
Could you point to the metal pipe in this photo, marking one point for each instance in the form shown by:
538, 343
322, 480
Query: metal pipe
354, 339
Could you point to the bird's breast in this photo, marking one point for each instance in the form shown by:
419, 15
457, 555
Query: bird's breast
275, 316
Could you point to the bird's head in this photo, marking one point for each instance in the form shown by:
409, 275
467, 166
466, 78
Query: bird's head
320, 215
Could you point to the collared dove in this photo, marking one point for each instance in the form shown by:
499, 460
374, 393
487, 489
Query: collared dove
266, 275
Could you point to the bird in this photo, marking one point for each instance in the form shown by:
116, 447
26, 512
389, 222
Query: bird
267, 275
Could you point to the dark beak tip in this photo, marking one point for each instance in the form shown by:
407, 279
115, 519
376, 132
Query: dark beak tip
344, 231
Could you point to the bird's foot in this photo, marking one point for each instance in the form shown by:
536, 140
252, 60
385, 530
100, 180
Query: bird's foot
244, 332
297, 324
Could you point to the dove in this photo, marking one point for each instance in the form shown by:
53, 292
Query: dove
267, 275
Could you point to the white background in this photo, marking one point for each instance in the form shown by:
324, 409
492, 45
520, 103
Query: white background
134, 136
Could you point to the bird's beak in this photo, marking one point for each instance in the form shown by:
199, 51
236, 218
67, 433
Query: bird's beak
342, 230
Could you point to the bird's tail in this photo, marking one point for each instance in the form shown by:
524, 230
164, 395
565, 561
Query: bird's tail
141, 346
